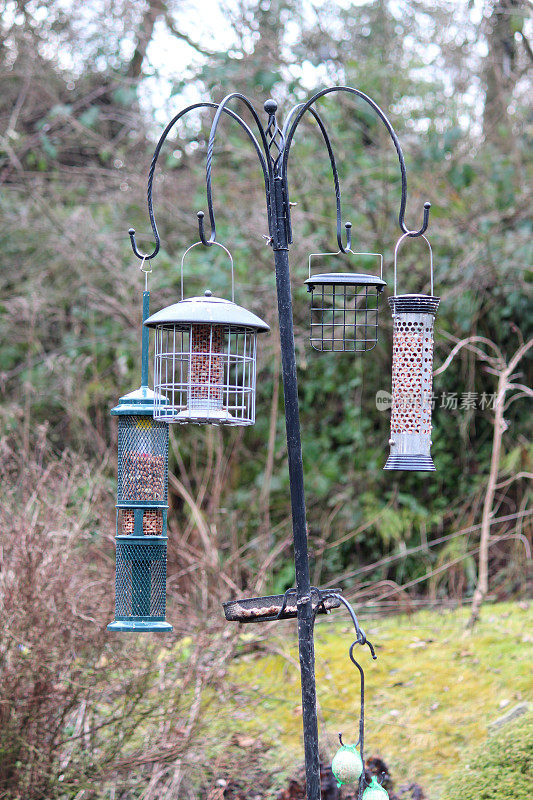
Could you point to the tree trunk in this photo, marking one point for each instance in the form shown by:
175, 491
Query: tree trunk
154, 10
499, 69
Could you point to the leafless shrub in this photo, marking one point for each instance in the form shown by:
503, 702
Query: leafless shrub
72, 696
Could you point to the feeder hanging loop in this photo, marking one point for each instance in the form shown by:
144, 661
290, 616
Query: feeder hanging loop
398, 243
230, 259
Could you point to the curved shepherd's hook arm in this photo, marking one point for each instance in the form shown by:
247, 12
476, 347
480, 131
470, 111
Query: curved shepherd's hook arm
361, 636
334, 171
289, 133
157, 150
263, 158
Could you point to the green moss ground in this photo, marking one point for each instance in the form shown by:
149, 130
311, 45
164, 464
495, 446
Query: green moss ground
430, 695
500, 768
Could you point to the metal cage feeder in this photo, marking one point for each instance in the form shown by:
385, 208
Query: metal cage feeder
142, 490
412, 376
344, 308
205, 360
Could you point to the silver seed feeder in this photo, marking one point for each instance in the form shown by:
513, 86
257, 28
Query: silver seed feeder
205, 359
412, 376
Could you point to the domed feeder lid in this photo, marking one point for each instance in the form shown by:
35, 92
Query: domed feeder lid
206, 310
345, 279
139, 402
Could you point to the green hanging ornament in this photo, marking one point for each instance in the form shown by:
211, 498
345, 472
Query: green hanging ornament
375, 791
347, 765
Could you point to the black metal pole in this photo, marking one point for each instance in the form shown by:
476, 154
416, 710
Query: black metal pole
299, 528
304, 606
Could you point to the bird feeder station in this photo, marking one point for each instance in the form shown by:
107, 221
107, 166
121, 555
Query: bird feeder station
412, 376
344, 308
205, 372
141, 540
205, 359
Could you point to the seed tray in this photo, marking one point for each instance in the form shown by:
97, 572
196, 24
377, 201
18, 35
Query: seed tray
266, 609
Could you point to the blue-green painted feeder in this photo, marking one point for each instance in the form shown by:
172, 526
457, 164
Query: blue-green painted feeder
375, 792
347, 765
140, 587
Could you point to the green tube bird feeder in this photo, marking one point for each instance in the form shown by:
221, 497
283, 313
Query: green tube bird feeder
142, 493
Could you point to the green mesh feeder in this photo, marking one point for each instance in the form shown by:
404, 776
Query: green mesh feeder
142, 487
375, 792
347, 764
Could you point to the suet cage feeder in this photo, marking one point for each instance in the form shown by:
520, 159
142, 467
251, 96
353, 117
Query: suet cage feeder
412, 376
142, 489
205, 360
344, 308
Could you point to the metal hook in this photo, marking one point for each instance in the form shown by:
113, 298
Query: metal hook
348, 226
425, 221
201, 230
361, 636
398, 243
288, 593
155, 156
265, 162
361, 740
231, 262
143, 256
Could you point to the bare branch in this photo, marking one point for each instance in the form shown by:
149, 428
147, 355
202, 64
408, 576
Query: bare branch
527, 392
468, 342
204, 51
518, 355
419, 548
518, 476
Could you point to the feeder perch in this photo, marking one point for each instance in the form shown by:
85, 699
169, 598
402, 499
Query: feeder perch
412, 377
344, 308
205, 360
140, 587
273, 607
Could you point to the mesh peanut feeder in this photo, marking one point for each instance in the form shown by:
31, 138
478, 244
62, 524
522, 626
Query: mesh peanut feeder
140, 586
412, 376
205, 359
344, 308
